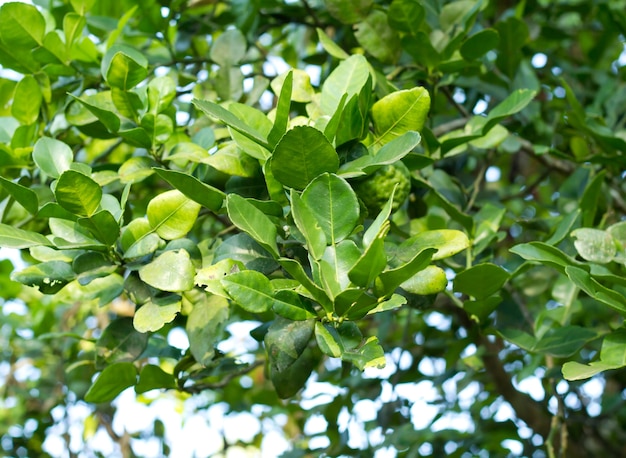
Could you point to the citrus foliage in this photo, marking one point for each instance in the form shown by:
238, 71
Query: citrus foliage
159, 173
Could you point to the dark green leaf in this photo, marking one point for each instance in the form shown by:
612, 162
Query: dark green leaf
206, 195
205, 327
111, 382
481, 281
153, 377
253, 221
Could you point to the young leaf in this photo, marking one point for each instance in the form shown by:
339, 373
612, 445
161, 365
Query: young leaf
171, 271
448, 242
124, 67
301, 155
153, 315
21, 25
111, 382
389, 280
172, 215
27, 100
371, 263
346, 80
330, 46
334, 204
253, 221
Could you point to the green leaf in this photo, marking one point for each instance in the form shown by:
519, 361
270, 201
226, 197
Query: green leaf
100, 105
171, 271
308, 225
103, 226
618, 232
281, 119
26, 197
612, 356
295, 269
301, 155
334, 204
73, 25
431, 280
172, 215
253, 221
378, 38
481, 281
546, 254
138, 239
259, 123
564, 342
159, 128
286, 340
335, 265
302, 91
394, 302
69, 234
49, 276
448, 242
120, 342
153, 377
52, 156
124, 67
27, 100
205, 327
406, 15
156, 313
12, 237
251, 290
371, 263
77, 193
210, 277
290, 305
213, 110
514, 103
21, 25
346, 80
204, 194
229, 48
584, 281
389, 280
127, 103
389, 154
594, 245
349, 12
111, 382
479, 44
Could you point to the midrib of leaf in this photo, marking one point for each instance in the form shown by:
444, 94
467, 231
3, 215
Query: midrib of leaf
26, 30
397, 121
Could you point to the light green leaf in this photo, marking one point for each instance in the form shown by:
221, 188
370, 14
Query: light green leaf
514, 103
21, 25
330, 46
12, 237
283, 106
346, 80
127, 103
251, 290
328, 340
253, 221
138, 239
111, 382
335, 265
77, 193
372, 262
589, 285
229, 48
594, 245
349, 12
73, 25
546, 254
406, 15
52, 156
448, 242
389, 280
308, 225
399, 113
378, 38
155, 314
100, 105
210, 277
302, 90
103, 226
481, 281
124, 67
205, 327
172, 215
301, 155
431, 280
27, 100
371, 354
215, 111
295, 269
171, 271
159, 128
334, 204
612, 356
161, 93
